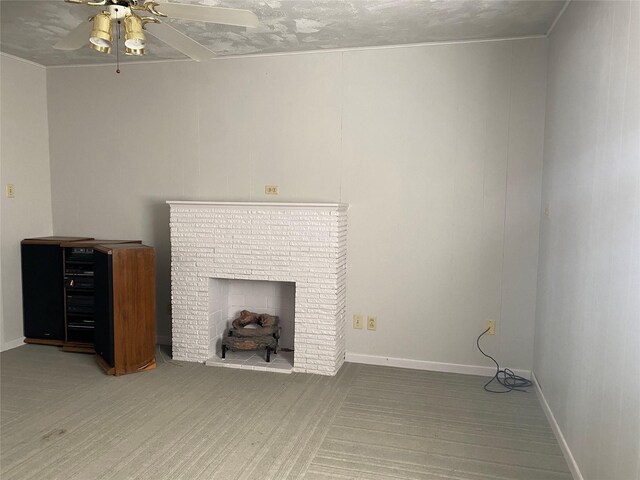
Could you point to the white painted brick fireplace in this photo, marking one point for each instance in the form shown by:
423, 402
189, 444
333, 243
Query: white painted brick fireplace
302, 243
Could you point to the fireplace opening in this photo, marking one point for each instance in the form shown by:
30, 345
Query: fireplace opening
240, 312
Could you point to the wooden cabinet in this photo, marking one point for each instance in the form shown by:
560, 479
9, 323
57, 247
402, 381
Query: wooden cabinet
60, 291
125, 308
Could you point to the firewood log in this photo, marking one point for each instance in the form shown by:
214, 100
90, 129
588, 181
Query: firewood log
250, 343
246, 317
266, 320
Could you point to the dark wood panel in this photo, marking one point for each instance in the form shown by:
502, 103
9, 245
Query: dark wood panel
134, 307
78, 347
91, 243
42, 341
52, 240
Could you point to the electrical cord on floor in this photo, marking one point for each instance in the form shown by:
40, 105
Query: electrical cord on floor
505, 377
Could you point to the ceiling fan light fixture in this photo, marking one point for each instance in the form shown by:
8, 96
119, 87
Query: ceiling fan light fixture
134, 39
100, 48
100, 27
101, 38
133, 51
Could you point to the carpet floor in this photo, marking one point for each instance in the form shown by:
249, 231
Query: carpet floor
63, 418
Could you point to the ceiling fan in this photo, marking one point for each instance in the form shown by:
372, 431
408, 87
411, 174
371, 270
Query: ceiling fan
98, 29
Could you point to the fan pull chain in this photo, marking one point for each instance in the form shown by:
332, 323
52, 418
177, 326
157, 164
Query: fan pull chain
118, 47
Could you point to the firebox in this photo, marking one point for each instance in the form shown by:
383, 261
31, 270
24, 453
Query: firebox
228, 298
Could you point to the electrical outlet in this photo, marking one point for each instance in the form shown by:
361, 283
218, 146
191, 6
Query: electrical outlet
271, 189
491, 325
357, 321
11, 190
372, 322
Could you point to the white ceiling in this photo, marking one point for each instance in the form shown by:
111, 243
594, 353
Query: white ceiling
30, 27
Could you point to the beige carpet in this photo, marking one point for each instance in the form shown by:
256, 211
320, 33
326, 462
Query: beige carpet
61, 417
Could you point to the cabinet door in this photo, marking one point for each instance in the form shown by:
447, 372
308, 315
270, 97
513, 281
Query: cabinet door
42, 292
103, 281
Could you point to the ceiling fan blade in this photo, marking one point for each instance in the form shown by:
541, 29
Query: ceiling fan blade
179, 41
203, 13
76, 38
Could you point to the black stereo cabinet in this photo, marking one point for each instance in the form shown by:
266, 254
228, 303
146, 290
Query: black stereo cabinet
43, 289
58, 292
80, 293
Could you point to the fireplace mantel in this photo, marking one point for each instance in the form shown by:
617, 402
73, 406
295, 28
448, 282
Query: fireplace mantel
259, 204
303, 243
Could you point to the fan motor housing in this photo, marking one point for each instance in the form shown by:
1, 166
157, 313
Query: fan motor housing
118, 12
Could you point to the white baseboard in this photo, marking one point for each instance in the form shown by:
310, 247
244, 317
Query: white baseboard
163, 339
564, 446
12, 344
426, 365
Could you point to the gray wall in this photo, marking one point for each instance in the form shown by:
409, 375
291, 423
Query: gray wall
24, 152
587, 343
438, 149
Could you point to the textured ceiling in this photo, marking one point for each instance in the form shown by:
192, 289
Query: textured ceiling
30, 27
